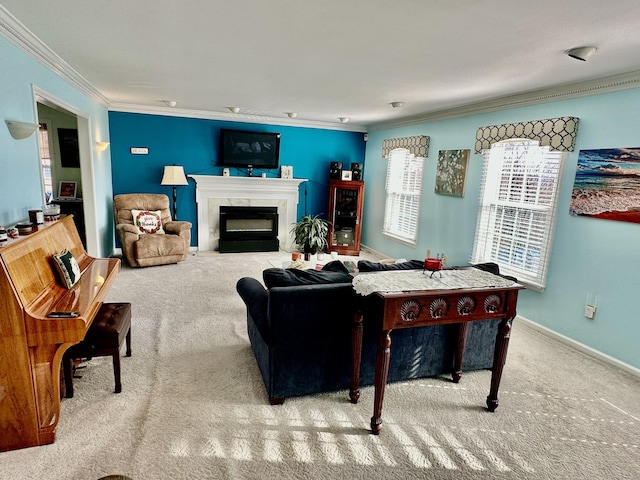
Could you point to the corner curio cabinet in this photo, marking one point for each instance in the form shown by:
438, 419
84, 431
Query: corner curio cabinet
345, 215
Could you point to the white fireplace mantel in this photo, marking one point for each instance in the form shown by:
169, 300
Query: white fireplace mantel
213, 191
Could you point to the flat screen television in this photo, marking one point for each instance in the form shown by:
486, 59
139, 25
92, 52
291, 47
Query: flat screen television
244, 149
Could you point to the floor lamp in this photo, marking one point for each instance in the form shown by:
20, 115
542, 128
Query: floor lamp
174, 176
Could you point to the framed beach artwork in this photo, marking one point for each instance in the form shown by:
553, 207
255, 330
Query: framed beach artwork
607, 184
451, 172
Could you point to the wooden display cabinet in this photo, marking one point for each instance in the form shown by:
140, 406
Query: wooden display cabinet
345, 214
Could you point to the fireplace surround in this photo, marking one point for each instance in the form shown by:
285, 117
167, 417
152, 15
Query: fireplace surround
213, 191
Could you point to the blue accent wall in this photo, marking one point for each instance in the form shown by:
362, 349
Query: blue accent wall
193, 143
590, 256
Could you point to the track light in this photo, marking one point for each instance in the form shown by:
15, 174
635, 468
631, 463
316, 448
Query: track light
581, 53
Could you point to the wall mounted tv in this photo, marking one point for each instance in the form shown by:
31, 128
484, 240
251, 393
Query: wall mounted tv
244, 149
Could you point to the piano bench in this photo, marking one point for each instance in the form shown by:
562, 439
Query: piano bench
108, 331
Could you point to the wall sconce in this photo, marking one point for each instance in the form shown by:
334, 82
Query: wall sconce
174, 175
20, 130
101, 146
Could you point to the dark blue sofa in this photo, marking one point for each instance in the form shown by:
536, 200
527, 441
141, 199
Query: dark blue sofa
300, 332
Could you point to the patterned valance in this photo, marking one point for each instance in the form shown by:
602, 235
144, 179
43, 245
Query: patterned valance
418, 146
557, 133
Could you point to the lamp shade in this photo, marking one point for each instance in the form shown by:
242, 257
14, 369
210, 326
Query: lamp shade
20, 130
174, 175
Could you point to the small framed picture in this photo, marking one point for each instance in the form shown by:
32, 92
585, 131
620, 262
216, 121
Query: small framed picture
67, 190
286, 171
346, 175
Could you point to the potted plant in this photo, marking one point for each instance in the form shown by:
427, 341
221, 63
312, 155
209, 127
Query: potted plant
310, 233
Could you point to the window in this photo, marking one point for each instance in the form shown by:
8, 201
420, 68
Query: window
403, 188
518, 208
45, 160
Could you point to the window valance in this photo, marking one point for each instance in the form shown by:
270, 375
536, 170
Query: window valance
557, 133
418, 145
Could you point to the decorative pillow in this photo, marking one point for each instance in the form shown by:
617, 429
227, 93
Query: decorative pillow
67, 267
331, 273
369, 266
147, 221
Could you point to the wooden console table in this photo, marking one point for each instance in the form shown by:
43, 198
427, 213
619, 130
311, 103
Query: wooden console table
410, 299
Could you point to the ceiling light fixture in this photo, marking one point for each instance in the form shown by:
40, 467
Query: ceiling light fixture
170, 103
581, 53
234, 109
292, 114
344, 119
397, 104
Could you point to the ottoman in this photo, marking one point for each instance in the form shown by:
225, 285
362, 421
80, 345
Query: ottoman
110, 328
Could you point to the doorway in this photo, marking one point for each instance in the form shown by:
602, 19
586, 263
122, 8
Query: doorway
83, 205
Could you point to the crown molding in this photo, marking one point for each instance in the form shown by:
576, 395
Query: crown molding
556, 93
18, 34
232, 117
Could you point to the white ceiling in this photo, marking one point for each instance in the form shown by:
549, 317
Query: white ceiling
326, 59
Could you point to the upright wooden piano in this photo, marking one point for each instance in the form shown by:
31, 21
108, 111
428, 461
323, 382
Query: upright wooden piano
31, 344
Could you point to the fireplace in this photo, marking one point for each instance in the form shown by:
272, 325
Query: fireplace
248, 229
214, 191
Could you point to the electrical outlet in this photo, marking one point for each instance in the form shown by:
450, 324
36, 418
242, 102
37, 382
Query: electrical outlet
589, 311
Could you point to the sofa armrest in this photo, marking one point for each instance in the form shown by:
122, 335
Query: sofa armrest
124, 228
128, 235
176, 227
256, 298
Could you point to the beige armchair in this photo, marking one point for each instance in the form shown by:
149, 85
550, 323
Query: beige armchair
147, 249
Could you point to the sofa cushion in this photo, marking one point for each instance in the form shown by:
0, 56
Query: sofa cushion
332, 272
369, 266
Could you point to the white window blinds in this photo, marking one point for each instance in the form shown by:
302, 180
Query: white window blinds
403, 188
518, 209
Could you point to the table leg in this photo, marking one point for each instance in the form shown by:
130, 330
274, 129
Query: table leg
499, 359
459, 355
356, 356
382, 369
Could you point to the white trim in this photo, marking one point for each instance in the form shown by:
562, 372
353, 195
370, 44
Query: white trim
579, 346
556, 93
87, 170
232, 117
18, 34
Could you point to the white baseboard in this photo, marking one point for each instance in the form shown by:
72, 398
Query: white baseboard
579, 346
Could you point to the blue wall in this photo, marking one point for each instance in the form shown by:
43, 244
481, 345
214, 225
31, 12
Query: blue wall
193, 143
20, 183
590, 256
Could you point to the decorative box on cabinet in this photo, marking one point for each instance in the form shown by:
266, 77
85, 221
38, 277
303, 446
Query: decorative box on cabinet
345, 215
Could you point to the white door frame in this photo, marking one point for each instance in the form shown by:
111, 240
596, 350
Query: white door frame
87, 172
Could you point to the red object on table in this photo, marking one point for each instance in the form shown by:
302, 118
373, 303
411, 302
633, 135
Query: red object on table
433, 264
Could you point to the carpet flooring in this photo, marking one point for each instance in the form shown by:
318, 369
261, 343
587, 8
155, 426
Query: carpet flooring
193, 405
